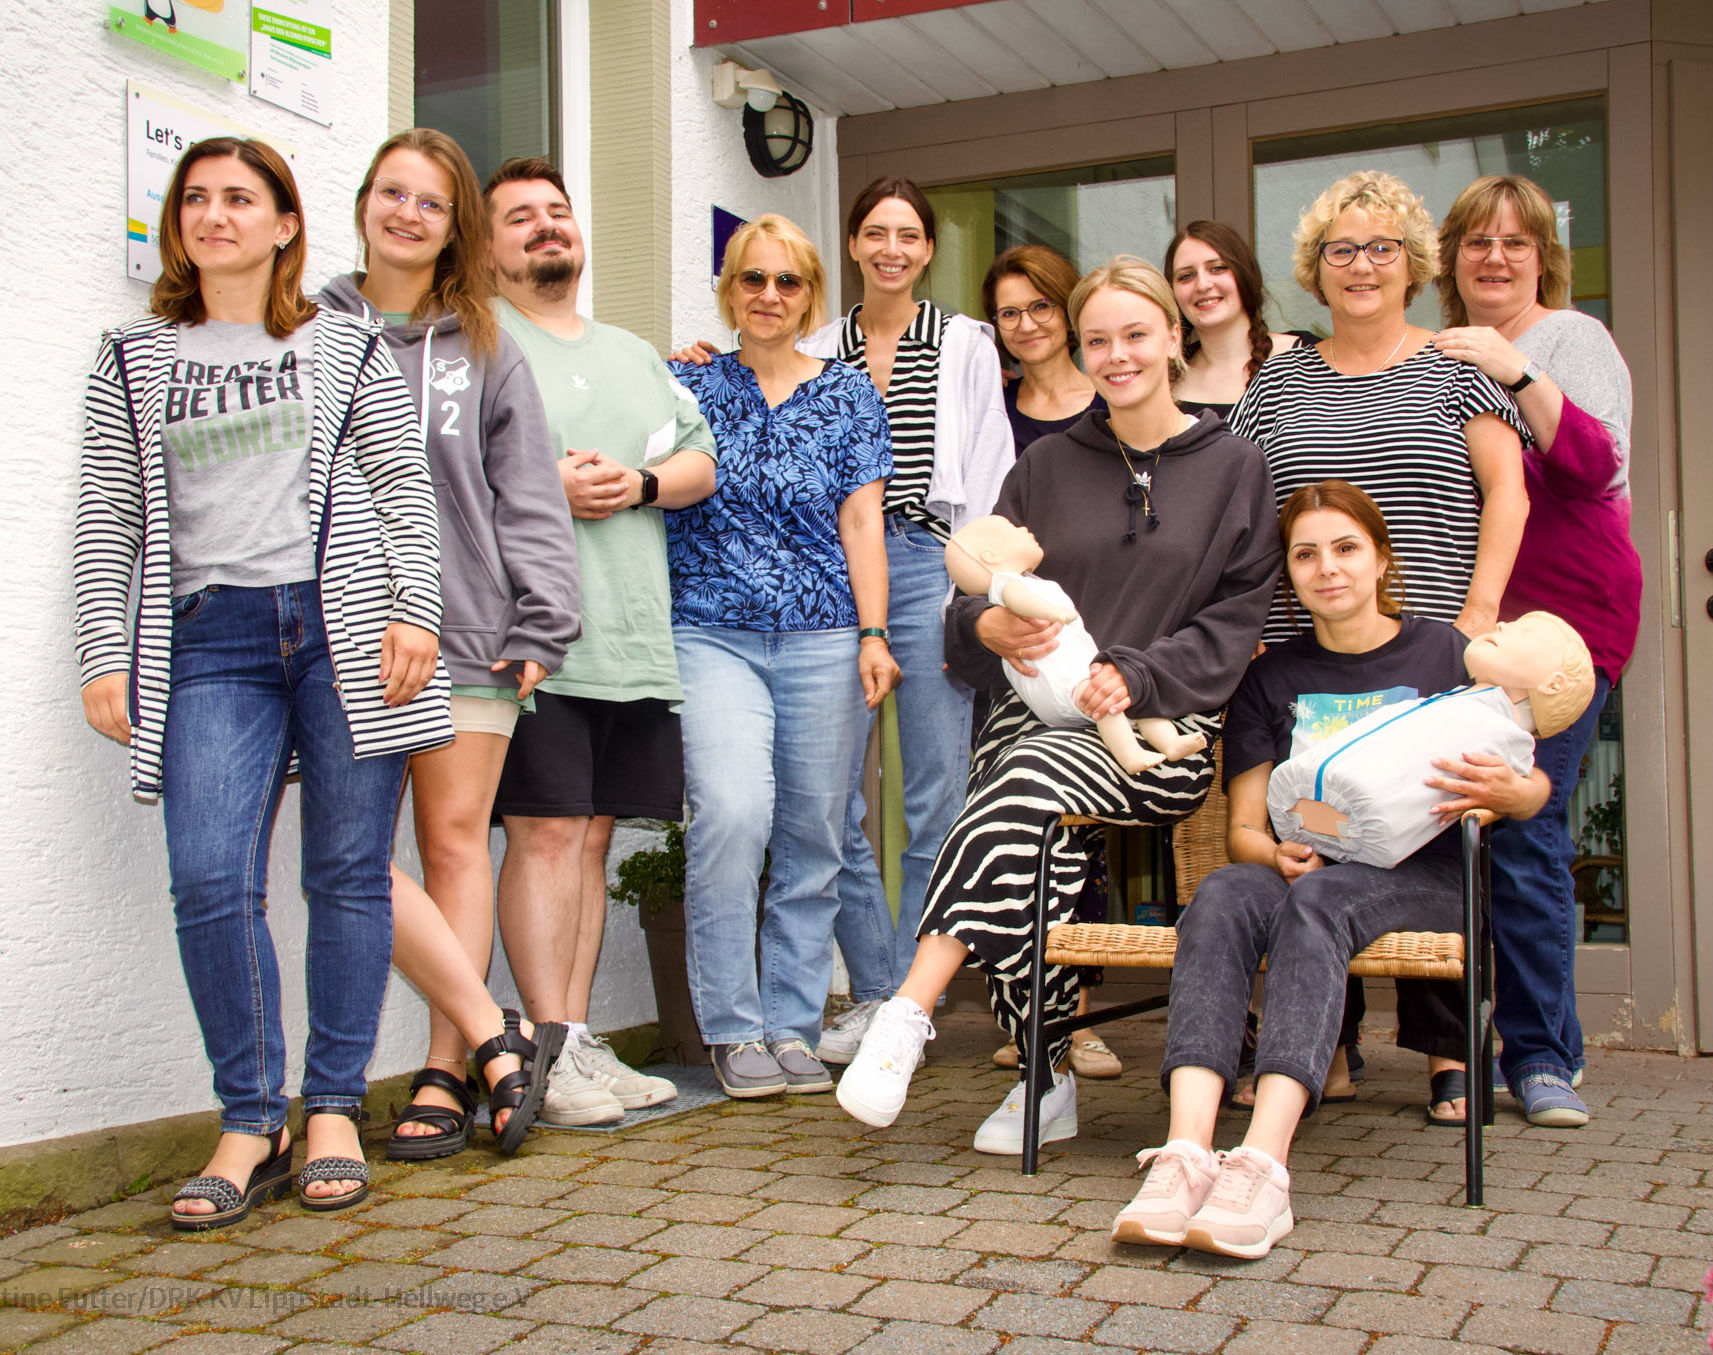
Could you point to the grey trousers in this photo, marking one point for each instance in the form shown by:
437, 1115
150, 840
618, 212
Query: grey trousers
1308, 931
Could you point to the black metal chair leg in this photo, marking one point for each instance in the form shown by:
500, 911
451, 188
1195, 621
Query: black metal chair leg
1478, 1080
1037, 1074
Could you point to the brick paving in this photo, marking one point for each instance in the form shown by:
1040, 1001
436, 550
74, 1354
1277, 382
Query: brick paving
781, 1226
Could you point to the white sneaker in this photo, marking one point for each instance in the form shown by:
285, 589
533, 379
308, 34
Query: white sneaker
874, 1086
595, 1060
1002, 1131
841, 1040
573, 1098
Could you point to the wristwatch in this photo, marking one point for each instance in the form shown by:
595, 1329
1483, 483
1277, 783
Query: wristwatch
650, 488
1531, 374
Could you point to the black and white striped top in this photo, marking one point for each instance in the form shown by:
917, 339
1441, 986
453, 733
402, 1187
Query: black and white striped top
910, 397
1396, 433
372, 513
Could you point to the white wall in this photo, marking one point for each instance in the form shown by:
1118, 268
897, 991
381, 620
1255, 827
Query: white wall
710, 167
99, 1029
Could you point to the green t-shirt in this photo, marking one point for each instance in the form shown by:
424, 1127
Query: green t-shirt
608, 391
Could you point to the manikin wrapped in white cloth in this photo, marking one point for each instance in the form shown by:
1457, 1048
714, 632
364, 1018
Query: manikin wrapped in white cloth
993, 556
1051, 693
1362, 795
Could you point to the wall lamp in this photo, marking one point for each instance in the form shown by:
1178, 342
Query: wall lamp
736, 86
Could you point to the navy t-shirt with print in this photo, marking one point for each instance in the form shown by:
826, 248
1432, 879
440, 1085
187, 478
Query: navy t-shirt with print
1297, 693
763, 551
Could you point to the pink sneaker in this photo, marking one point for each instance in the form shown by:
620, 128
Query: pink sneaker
1178, 1180
1248, 1209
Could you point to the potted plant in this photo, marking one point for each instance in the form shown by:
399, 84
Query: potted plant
653, 881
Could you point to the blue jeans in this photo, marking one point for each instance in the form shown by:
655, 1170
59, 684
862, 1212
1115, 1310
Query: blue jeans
1534, 917
1308, 930
771, 721
934, 740
252, 682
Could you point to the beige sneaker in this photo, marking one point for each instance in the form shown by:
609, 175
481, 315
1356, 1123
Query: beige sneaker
1091, 1058
573, 1098
1180, 1175
1248, 1209
595, 1060
1006, 1055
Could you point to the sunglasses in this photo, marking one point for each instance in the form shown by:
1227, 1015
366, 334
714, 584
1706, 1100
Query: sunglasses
754, 282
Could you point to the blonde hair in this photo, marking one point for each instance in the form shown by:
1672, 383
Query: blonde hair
804, 260
1127, 273
1482, 202
1380, 195
1556, 710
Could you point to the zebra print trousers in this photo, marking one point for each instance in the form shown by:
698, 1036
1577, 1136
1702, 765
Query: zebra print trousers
1023, 776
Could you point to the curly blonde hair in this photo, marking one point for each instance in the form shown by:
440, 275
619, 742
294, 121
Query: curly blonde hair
1384, 197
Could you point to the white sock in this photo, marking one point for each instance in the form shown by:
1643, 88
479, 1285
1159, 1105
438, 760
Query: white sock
1275, 1168
1192, 1149
576, 1031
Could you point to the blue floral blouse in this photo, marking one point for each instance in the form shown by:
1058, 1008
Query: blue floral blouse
763, 551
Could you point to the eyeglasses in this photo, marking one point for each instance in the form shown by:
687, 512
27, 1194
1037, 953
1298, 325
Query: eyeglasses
1515, 248
754, 282
1009, 317
1342, 253
431, 206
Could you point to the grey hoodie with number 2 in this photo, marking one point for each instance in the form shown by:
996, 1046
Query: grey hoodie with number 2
508, 556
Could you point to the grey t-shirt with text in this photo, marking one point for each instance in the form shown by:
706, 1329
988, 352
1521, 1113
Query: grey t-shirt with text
236, 439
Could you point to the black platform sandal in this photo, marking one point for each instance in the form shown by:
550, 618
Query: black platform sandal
1449, 1084
452, 1127
269, 1181
520, 1092
334, 1169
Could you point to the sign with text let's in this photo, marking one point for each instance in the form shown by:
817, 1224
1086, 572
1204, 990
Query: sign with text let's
159, 129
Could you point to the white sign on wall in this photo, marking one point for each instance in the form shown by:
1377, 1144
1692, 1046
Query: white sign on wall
291, 56
159, 129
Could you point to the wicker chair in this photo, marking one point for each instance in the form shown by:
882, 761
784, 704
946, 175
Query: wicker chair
1197, 849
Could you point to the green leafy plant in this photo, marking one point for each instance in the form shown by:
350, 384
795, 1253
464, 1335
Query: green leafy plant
654, 877
1602, 834
1603, 830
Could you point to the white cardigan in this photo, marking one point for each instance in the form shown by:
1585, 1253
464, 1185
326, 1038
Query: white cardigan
973, 446
372, 512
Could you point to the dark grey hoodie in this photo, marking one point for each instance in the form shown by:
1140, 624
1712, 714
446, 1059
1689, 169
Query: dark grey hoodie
508, 557
1176, 604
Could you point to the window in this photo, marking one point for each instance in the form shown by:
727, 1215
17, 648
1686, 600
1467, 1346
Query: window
1561, 146
486, 75
1087, 214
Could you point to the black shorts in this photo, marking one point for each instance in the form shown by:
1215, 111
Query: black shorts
575, 757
